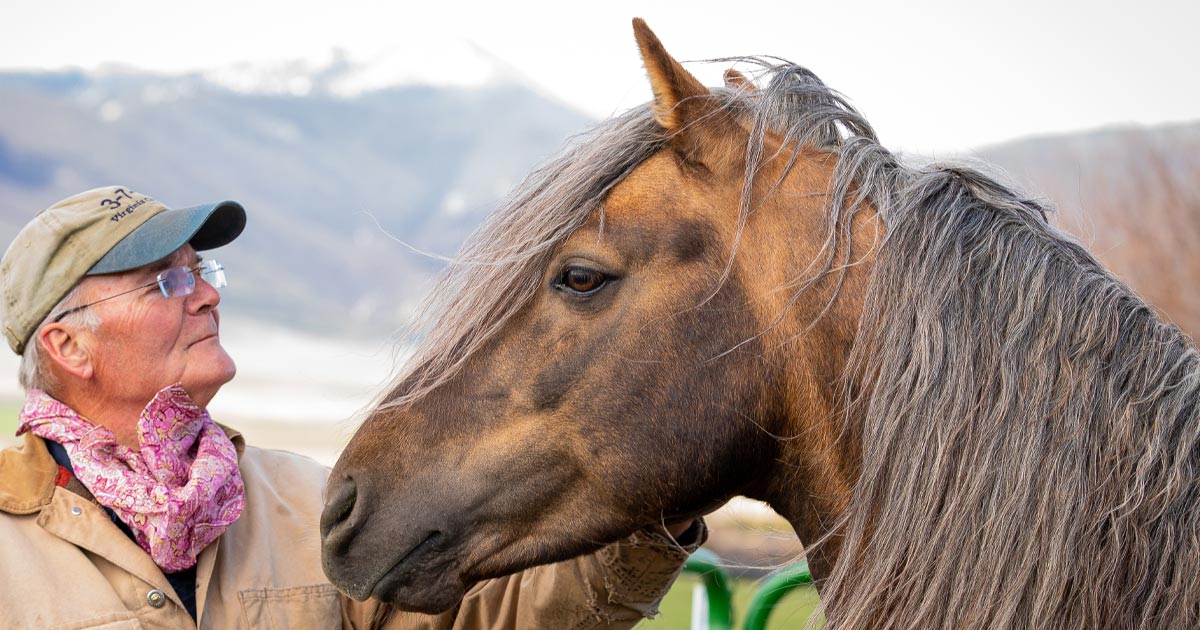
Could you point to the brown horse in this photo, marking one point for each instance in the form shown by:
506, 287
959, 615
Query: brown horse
966, 419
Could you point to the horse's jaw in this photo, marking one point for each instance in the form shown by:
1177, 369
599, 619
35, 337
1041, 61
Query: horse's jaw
421, 542
424, 579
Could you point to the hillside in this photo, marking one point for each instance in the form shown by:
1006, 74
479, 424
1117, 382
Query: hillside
325, 177
330, 161
1132, 195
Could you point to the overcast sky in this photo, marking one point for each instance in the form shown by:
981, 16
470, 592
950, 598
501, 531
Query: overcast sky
933, 76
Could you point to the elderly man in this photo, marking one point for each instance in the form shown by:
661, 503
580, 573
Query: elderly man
128, 507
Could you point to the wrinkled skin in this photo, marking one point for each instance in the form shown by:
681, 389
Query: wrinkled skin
595, 413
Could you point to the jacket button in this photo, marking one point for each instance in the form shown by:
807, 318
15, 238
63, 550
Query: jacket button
76, 510
156, 598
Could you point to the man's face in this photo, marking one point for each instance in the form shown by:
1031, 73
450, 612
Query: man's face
146, 342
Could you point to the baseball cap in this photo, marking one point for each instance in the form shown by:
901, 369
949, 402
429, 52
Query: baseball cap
104, 230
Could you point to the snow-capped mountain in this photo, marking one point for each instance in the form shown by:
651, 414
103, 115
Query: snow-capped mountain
339, 159
456, 64
369, 154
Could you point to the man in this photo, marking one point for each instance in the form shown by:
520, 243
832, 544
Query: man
128, 507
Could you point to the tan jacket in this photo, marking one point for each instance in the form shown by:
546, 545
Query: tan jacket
65, 566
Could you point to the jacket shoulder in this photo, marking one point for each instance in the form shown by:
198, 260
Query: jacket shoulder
265, 466
26, 476
274, 457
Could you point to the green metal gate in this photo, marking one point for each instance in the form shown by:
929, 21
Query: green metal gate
718, 594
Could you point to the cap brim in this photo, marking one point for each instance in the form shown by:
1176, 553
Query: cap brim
205, 227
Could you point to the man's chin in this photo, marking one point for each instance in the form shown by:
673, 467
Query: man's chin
202, 390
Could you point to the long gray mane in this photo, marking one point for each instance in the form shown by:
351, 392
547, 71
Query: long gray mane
1030, 431
1031, 445
1030, 440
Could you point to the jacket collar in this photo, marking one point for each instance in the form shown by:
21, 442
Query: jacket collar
27, 473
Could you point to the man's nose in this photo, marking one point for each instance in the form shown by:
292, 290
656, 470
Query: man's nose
204, 298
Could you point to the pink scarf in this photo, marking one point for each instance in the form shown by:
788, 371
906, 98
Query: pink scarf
177, 494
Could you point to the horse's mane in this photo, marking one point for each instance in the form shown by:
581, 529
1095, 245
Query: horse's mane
1030, 440
1031, 445
1030, 431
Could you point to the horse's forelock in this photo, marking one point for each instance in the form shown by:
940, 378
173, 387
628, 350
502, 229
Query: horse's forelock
500, 267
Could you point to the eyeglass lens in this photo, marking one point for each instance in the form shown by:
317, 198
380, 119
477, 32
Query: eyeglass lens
180, 281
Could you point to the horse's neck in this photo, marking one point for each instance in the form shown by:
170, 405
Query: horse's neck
812, 483
819, 452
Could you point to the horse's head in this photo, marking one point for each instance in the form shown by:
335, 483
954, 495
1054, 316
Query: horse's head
610, 355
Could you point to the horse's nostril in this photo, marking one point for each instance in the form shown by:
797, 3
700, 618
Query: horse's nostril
339, 502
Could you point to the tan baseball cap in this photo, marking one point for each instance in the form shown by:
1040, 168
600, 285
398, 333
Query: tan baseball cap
105, 230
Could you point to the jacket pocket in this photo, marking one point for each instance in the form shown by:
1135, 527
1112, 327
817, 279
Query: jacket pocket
301, 607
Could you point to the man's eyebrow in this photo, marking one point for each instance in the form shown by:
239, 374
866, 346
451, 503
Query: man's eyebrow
171, 261
161, 265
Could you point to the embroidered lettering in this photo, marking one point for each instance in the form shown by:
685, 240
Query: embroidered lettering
114, 204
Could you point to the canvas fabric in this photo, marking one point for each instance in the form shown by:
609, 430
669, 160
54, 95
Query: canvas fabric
65, 564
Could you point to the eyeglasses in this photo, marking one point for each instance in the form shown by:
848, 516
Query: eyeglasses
174, 282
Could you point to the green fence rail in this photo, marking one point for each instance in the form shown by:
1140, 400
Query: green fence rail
773, 590
707, 565
719, 595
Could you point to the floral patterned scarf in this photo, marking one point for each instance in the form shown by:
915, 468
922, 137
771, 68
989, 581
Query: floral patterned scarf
177, 493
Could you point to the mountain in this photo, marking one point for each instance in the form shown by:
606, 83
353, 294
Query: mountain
411, 61
326, 177
1132, 196
336, 160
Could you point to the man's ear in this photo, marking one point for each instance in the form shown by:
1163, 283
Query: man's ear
66, 350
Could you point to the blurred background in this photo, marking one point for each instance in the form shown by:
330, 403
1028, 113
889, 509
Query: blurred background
358, 134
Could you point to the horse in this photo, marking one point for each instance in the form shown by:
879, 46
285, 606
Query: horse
966, 419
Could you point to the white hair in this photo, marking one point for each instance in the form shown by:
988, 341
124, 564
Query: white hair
34, 372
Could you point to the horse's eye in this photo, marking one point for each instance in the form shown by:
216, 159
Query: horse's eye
581, 280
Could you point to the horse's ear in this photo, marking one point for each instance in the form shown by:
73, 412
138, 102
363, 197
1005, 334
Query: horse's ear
738, 82
682, 105
677, 94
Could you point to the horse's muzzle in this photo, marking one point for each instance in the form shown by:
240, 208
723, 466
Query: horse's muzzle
340, 497
399, 556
